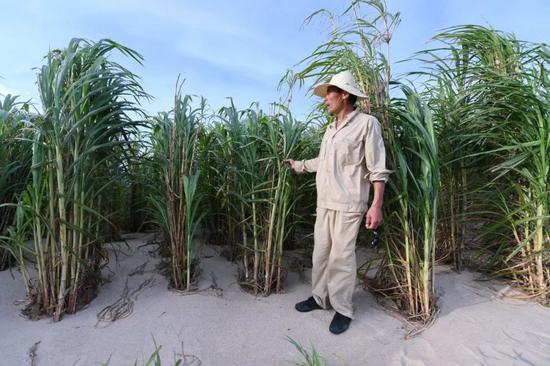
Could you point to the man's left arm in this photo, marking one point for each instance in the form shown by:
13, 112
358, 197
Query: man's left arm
375, 157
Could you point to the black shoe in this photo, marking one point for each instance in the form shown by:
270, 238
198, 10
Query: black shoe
339, 324
307, 305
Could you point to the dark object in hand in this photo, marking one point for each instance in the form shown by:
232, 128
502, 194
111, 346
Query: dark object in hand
375, 239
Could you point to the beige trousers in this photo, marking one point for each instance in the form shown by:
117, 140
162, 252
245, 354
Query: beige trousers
334, 266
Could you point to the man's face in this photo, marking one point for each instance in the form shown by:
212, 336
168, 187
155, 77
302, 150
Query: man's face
335, 100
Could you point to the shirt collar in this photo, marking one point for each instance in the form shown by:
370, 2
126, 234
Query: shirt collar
348, 118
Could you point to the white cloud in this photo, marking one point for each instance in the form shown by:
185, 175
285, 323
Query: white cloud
4, 90
237, 54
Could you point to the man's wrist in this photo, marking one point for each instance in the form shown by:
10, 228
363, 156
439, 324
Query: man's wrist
376, 205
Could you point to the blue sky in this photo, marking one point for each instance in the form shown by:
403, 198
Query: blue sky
237, 48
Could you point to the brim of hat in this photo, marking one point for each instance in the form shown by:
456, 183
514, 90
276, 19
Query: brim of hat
321, 90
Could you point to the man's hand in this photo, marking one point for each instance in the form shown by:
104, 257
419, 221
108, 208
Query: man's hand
374, 214
373, 217
291, 163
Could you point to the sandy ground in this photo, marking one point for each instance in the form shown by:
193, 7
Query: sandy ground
478, 324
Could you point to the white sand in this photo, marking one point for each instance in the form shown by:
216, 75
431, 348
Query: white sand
476, 324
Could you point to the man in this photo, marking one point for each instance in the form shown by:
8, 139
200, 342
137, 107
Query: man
351, 159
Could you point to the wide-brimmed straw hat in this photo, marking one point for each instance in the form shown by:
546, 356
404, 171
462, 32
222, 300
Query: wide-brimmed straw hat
343, 80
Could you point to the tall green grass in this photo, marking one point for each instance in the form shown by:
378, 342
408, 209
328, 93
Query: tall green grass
501, 112
407, 274
77, 141
15, 163
255, 191
175, 195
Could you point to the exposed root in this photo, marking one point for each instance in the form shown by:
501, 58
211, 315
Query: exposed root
218, 291
32, 353
123, 307
185, 359
139, 270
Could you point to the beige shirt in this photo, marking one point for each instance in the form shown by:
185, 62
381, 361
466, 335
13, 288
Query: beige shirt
351, 157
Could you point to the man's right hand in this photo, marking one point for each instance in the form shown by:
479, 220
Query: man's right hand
291, 163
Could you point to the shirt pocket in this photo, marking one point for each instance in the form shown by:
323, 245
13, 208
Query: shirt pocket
352, 152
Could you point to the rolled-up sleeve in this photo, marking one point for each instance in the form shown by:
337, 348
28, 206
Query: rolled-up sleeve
375, 153
309, 166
